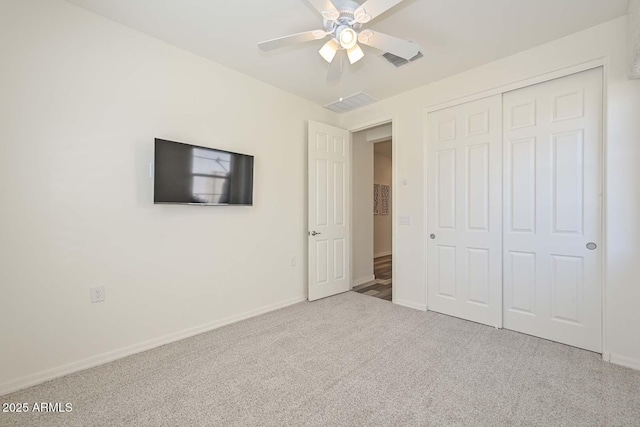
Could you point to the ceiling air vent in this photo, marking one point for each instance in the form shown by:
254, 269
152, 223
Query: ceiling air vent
350, 103
397, 61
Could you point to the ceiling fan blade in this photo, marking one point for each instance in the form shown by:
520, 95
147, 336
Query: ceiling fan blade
335, 68
307, 36
326, 8
387, 43
371, 9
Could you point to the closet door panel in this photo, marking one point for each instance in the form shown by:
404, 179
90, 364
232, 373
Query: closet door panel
464, 211
552, 210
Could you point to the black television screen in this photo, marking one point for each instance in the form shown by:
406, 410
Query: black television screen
188, 174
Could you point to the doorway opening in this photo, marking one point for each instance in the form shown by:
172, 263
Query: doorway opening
372, 185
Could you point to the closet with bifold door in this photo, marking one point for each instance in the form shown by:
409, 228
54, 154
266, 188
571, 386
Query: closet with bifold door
514, 210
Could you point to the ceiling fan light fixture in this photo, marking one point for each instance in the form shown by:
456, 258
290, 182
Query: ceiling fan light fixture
329, 50
342, 24
355, 54
348, 38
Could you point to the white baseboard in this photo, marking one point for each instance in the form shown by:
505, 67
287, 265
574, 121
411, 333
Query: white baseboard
628, 362
382, 254
363, 280
409, 304
100, 359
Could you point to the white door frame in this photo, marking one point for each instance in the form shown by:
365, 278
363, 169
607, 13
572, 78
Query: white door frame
595, 63
394, 186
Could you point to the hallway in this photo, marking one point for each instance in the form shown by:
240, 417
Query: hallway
381, 286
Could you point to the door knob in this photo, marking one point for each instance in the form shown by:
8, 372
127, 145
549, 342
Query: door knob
592, 246
314, 233
432, 236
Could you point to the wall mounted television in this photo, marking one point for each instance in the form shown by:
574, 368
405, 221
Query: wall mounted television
193, 175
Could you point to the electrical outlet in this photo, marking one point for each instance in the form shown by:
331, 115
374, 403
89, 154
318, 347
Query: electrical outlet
293, 261
97, 294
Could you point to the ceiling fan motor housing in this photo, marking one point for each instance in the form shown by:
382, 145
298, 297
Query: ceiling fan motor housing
346, 8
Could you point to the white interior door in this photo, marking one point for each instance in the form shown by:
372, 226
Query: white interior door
329, 210
552, 218
464, 211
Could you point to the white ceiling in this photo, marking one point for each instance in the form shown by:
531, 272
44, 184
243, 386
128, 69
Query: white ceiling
455, 35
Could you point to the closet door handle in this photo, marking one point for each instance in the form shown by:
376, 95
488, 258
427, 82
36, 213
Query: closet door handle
432, 237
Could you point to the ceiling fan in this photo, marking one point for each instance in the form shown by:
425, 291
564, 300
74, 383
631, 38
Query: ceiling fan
344, 21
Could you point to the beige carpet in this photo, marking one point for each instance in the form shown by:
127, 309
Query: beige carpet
349, 360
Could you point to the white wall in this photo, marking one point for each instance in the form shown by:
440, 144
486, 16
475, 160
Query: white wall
622, 298
382, 224
81, 100
362, 200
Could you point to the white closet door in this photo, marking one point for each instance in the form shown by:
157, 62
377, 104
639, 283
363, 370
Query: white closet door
464, 211
552, 218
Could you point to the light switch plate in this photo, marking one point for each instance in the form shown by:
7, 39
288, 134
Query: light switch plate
404, 220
